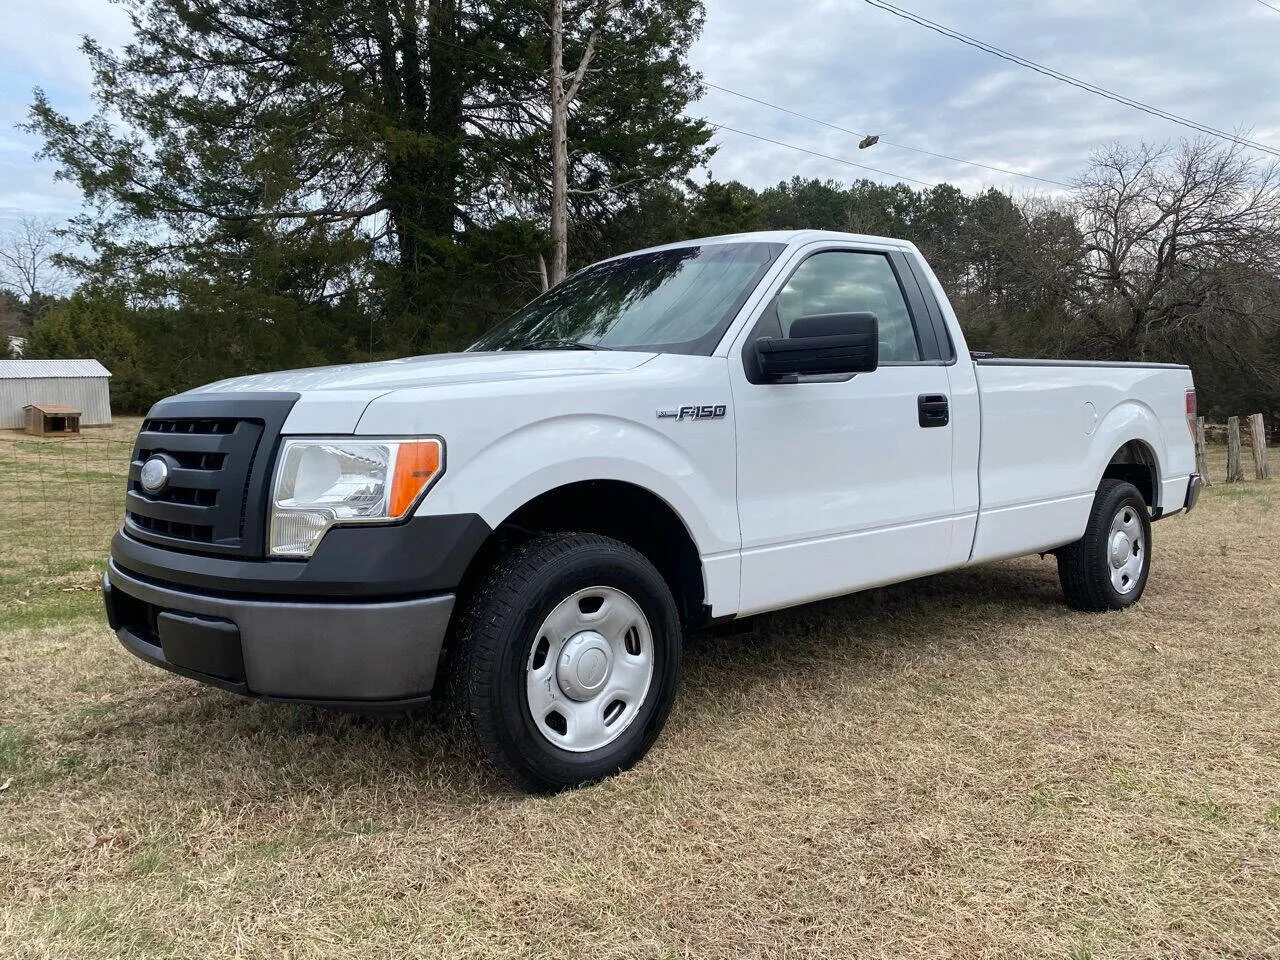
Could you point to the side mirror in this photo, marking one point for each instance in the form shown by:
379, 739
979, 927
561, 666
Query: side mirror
826, 344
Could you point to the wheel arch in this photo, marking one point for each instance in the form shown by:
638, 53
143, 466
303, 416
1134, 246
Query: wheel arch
1130, 446
1136, 462
619, 509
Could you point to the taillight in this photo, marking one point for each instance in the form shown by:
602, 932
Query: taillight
1191, 413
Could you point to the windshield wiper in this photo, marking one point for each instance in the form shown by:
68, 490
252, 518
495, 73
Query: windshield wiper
554, 343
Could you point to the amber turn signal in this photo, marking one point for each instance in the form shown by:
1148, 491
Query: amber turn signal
417, 464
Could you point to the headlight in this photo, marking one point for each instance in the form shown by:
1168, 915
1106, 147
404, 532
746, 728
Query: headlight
321, 483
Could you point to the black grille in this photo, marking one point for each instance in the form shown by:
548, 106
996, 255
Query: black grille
214, 501
189, 426
209, 463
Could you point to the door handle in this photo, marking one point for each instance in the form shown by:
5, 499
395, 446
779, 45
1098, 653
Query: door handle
935, 411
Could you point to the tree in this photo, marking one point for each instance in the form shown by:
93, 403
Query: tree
13, 315
372, 135
1179, 243
562, 98
29, 253
801, 204
1016, 272
96, 325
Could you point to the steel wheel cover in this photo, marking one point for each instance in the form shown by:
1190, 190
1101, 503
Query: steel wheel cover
1126, 549
590, 669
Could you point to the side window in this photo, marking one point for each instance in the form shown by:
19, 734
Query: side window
844, 281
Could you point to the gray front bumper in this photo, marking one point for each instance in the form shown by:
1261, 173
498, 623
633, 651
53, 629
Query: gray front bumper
341, 654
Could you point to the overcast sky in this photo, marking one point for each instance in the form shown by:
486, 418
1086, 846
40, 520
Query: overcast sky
1216, 61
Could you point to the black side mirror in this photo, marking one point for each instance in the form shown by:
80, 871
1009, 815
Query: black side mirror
826, 344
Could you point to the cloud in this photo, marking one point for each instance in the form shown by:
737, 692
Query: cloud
40, 43
851, 64
40, 46
842, 61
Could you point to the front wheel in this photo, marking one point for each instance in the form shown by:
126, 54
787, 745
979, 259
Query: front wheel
1107, 568
568, 655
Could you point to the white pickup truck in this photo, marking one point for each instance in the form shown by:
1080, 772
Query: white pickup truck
668, 439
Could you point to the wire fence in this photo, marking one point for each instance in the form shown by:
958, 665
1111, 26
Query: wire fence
61, 500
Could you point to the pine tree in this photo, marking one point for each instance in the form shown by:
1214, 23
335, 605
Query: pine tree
325, 148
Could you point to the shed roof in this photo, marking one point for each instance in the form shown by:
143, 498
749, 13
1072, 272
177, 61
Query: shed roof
53, 409
45, 369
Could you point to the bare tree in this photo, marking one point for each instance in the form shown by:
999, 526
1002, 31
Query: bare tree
1179, 242
562, 98
28, 258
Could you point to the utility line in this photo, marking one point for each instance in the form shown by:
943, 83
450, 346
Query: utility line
1269, 6
815, 153
719, 126
888, 143
1073, 81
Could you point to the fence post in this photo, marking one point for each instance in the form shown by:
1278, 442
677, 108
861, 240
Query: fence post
1258, 441
1235, 470
1202, 454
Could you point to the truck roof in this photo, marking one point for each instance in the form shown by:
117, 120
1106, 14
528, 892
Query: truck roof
788, 237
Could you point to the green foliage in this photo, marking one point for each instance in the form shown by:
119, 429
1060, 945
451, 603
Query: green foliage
13, 315
99, 327
1012, 270
278, 183
256, 152
17, 314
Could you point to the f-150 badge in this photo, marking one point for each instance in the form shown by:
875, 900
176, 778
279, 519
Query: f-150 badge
705, 412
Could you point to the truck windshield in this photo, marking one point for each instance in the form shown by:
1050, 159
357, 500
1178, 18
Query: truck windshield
669, 301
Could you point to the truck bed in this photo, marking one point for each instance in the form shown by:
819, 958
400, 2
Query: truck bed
1049, 428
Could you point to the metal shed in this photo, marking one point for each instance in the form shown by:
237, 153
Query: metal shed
76, 383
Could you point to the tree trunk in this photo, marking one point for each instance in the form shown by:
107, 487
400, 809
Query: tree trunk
441, 160
420, 69
1258, 441
1235, 470
561, 98
559, 150
1202, 453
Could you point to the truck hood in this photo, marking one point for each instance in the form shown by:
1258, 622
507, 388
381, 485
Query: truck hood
435, 370
333, 398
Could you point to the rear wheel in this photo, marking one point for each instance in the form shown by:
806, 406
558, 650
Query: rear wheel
1107, 568
568, 659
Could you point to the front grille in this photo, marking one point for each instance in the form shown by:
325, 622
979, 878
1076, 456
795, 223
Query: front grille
196, 532
219, 452
209, 463
160, 425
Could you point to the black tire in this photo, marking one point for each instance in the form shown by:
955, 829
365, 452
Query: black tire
498, 628
1085, 567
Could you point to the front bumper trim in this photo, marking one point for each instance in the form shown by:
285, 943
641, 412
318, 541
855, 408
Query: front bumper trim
374, 654
420, 557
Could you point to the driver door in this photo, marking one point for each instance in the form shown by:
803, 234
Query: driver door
843, 481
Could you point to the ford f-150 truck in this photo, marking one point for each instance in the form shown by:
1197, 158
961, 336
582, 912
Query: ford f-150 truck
666, 440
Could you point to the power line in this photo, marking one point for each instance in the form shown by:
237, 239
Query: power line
1073, 81
720, 126
1269, 6
815, 153
888, 143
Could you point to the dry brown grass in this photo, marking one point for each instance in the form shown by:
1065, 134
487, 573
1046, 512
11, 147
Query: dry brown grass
61, 498
957, 767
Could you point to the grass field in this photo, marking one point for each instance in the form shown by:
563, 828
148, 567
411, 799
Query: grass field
956, 767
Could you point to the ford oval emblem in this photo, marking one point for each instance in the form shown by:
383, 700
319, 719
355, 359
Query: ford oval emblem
154, 475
